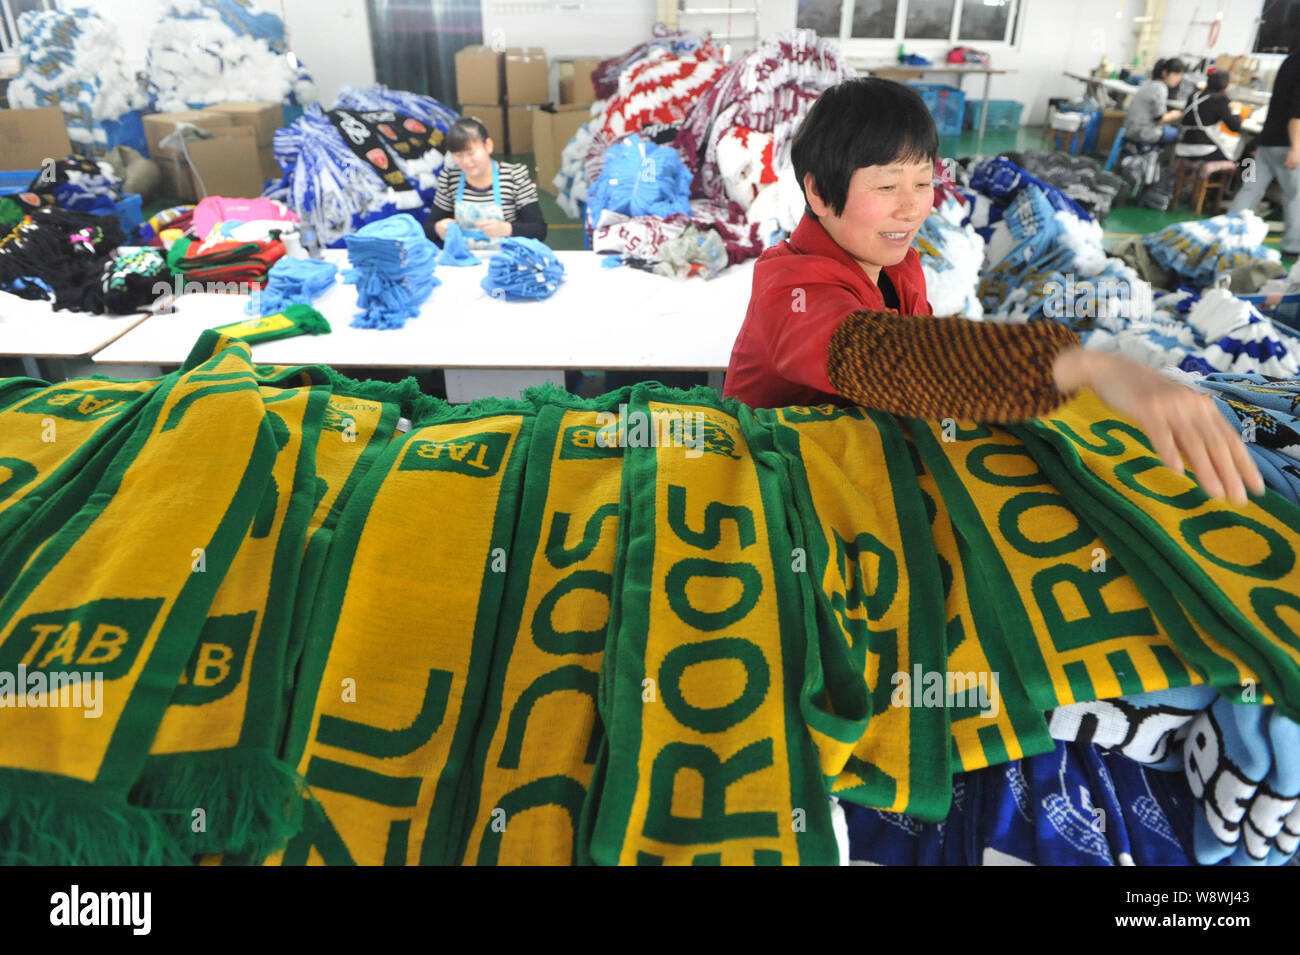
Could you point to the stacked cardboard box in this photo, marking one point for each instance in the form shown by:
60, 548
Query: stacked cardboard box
553, 127
503, 90
236, 163
575, 80
479, 90
32, 136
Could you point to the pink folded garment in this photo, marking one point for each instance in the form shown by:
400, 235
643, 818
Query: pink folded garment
215, 209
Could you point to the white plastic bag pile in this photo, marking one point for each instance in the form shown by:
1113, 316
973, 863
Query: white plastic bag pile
73, 60
219, 51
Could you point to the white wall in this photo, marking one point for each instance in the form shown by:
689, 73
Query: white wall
331, 37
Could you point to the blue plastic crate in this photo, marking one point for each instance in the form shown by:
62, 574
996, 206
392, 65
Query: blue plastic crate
127, 130
946, 104
291, 112
129, 211
16, 180
1004, 115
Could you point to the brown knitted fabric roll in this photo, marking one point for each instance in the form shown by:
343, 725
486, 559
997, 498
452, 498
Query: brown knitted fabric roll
924, 366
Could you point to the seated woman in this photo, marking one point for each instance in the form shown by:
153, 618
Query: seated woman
1200, 137
1149, 116
839, 311
489, 200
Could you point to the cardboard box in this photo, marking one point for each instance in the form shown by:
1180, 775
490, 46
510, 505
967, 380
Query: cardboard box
1111, 121
575, 80
527, 81
478, 75
519, 126
159, 125
551, 133
494, 118
266, 161
227, 165
264, 118
28, 137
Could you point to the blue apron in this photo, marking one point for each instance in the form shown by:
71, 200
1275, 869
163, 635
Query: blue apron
469, 214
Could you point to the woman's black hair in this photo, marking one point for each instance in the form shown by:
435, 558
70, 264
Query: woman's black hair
1164, 67
463, 134
1217, 82
866, 121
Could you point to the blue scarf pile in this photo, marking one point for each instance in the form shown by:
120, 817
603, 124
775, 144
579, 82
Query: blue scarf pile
640, 179
293, 282
393, 263
1201, 250
1002, 180
523, 269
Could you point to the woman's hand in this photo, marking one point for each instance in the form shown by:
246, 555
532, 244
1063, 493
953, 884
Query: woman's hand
496, 228
441, 227
1183, 425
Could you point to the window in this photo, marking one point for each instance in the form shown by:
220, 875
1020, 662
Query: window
874, 18
954, 21
985, 19
929, 19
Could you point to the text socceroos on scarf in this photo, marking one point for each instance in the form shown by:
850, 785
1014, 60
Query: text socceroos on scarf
36, 689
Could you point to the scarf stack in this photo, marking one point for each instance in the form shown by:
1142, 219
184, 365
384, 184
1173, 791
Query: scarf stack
393, 265
231, 266
1202, 250
65, 252
294, 281
660, 90
131, 279
82, 185
524, 269
769, 90
656, 627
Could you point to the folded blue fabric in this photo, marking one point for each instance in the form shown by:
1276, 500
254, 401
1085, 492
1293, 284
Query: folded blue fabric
393, 265
293, 282
640, 179
1202, 249
454, 250
1002, 180
523, 269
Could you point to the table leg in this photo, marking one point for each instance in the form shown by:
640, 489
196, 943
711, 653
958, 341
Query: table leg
466, 384
31, 368
715, 380
984, 113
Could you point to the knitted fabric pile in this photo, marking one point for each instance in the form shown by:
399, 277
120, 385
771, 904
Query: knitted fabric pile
293, 281
220, 266
639, 179
506, 576
1002, 180
605, 78
59, 255
336, 191
392, 267
203, 52
1080, 178
524, 269
769, 91
1045, 263
571, 181
752, 181
132, 280
74, 60
1199, 251
660, 90
82, 185
951, 256
1266, 413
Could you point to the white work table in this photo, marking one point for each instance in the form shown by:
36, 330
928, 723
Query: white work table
599, 318
33, 329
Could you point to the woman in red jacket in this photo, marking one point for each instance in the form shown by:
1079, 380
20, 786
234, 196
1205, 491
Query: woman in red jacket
838, 312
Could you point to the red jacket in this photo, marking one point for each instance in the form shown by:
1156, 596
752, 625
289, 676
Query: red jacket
803, 289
